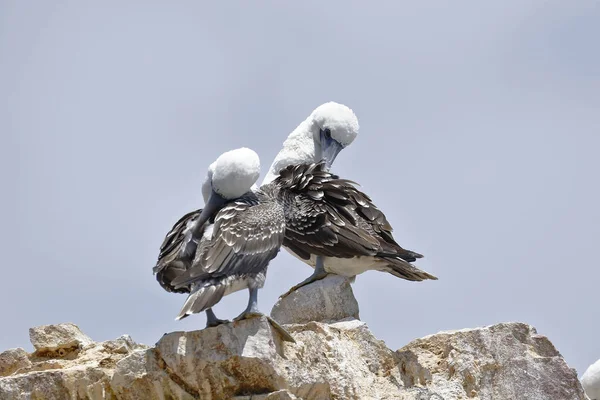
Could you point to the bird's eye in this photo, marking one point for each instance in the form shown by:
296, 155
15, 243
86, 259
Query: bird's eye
327, 133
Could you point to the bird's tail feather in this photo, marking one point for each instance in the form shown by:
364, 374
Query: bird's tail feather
406, 255
405, 270
202, 298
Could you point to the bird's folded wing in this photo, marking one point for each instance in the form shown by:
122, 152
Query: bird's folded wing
333, 217
172, 243
245, 238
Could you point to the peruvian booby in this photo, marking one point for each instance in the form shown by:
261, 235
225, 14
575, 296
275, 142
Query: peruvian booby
337, 229
232, 253
228, 178
330, 128
591, 381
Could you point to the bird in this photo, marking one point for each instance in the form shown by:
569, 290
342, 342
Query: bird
247, 233
227, 183
337, 229
591, 381
330, 128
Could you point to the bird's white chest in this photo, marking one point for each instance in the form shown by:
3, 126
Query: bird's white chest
344, 266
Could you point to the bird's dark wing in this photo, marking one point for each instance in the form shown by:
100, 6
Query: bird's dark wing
245, 238
170, 262
329, 216
175, 236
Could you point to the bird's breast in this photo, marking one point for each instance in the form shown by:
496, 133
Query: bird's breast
344, 266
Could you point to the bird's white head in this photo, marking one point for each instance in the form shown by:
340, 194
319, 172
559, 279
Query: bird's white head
229, 177
234, 172
337, 127
339, 120
329, 128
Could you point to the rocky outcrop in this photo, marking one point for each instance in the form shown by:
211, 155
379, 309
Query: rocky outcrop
336, 359
66, 365
504, 361
58, 339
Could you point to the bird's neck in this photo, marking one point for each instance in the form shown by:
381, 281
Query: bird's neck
298, 148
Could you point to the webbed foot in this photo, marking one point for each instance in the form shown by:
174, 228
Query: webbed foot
212, 320
216, 322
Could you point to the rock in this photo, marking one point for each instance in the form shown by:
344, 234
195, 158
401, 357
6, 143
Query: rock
143, 376
341, 360
504, 361
249, 360
51, 374
326, 300
121, 345
12, 360
591, 381
225, 361
57, 339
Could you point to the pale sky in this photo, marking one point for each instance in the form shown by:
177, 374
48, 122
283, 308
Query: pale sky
479, 139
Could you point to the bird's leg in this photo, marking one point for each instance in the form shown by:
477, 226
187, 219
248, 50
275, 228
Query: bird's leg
319, 273
252, 310
212, 320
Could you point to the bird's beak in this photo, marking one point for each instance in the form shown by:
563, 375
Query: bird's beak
213, 205
330, 148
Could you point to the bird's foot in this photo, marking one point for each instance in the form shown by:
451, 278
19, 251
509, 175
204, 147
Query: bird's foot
216, 322
212, 320
316, 276
254, 313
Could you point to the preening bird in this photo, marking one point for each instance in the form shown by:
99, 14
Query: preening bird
212, 259
247, 233
329, 129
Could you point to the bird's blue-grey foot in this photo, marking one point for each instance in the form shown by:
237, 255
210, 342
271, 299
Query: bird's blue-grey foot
252, 310
212, 320
318, 274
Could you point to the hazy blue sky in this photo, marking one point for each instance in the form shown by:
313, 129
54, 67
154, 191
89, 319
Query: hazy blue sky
480, 133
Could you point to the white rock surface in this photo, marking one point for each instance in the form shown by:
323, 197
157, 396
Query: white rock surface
326, 300
591, 381
59, 339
